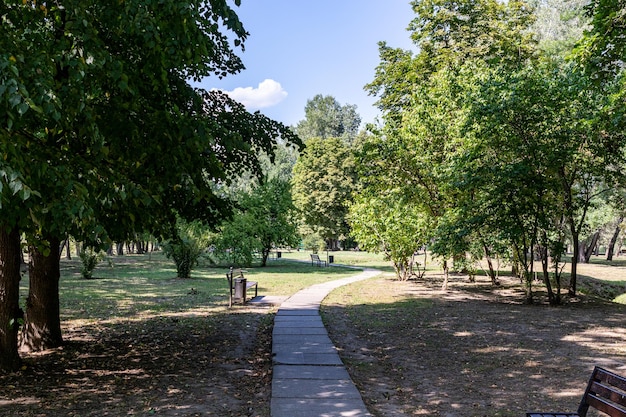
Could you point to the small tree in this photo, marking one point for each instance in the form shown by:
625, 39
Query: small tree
314, 242
189, 240
89, 259
390, 226
265, 221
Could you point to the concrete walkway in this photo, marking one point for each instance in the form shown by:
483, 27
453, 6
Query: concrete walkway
309, 379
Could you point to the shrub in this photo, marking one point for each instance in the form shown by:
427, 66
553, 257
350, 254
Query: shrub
89, 259
186, 247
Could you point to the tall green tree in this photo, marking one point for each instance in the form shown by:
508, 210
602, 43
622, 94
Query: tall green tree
324, 179
423, 101
603, 47
105, 130
326, 118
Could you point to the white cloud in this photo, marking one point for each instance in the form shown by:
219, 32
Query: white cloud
267, 94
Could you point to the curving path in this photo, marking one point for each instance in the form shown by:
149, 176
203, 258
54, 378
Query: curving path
309, 379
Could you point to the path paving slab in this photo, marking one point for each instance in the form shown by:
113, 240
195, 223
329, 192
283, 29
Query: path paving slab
305, 320
289, 407
309, 378
299, 330
310, 372
307, 358
314, 388
280, 339
294, 311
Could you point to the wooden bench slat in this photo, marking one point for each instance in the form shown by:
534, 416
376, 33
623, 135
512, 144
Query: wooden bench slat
606, 392
605, 406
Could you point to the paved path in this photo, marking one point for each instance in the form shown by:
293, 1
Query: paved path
309, 379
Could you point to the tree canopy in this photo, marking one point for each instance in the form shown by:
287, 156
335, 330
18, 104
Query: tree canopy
326, 118
102, 134
323, 181
490, 138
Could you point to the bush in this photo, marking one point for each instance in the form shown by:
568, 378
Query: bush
90, 259
314, 243
186, 247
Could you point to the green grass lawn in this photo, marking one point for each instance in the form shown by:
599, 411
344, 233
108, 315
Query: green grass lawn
133, 285
146, 284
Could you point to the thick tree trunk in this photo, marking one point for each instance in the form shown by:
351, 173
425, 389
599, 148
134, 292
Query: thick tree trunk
611, 249
587, 248
42, 328
10, 313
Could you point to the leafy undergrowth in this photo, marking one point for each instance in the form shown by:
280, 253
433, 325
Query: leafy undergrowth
473, 350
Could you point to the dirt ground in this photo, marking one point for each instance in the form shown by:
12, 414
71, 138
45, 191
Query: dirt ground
412, 349
167, 366
472, 350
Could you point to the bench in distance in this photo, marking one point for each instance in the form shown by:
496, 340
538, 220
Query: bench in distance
606, 392
315, 259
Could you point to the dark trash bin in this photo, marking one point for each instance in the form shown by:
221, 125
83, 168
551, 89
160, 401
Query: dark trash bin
278, 255
331, 259
240, 289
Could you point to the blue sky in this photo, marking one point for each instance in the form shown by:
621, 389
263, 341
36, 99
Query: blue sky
300, 48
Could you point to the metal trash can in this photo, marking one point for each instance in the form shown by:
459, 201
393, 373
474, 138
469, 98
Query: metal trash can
331, 259
278, 255
240, 289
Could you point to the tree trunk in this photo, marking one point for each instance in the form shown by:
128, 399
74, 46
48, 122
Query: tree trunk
10, 313
587, 248
265, 253
611, 249
42, 327
492, 272
543, 251
66, 246
573, 273
446, 275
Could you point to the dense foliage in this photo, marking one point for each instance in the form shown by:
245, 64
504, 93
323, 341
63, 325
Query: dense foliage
493, 144
103, 137
324, 179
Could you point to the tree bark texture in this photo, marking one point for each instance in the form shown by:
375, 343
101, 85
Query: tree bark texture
611, 249
42, 327
587, 248
10, 312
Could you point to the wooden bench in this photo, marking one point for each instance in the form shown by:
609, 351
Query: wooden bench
315, 259
239, 292
606, 392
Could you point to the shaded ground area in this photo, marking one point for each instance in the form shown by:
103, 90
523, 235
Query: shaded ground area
411, 348
473, 350
185, 365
